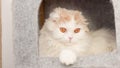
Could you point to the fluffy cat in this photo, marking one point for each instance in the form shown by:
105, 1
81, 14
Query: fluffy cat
66, 35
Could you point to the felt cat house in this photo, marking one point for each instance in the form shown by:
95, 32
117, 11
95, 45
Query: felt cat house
26, 34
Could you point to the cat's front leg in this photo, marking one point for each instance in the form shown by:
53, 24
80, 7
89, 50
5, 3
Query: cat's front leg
67, 57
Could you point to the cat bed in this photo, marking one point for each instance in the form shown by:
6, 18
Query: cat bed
26, 34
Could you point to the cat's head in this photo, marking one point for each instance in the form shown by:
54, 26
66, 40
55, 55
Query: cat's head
67, 25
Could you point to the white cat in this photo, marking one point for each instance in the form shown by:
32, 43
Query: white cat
66, 35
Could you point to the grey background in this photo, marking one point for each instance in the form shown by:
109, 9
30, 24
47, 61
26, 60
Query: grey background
25, 35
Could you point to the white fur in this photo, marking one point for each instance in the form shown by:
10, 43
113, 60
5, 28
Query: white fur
67, 57
51, 38
54, 43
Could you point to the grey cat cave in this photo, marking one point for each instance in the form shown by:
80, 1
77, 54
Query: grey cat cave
26, 34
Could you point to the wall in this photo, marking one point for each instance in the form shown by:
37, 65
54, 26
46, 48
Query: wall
0, 39
7, 47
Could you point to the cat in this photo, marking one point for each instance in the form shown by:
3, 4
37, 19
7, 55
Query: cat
66, 35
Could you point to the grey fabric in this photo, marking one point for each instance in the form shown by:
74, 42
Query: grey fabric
25, 33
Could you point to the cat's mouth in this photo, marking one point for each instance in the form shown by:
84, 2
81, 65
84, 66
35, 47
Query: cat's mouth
70, 41
67, 41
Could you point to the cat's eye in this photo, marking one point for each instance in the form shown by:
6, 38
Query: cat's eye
63, 30
77, 30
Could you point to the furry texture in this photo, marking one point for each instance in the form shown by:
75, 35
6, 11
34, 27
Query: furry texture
25, 33
54, 43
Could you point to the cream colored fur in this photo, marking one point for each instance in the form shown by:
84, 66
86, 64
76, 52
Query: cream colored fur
52, 43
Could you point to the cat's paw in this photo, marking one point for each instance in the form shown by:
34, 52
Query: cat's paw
67, 57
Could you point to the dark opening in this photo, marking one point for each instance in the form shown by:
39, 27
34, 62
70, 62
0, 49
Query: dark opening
99, 13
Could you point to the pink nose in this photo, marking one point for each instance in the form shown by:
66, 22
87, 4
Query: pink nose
70, 38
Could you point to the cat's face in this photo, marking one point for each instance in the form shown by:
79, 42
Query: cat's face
67, 26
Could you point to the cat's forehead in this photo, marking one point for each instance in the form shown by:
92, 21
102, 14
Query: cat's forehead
64, 15
69, 24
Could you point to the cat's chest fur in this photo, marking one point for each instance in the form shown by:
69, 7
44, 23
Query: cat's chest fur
52, 47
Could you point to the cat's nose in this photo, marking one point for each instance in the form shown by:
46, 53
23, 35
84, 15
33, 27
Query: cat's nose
70, 38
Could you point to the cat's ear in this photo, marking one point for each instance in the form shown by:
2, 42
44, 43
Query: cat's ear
64, 15
54, 15
56, 12
77, 15
60, 14
80, 18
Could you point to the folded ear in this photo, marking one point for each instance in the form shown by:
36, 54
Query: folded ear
77, 15
64, 15
80, 18
54, 15
60, 14
56, 12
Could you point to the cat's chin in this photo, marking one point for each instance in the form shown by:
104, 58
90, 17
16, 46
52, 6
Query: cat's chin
69, 43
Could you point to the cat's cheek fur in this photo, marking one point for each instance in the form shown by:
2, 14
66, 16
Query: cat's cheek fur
67, 57
81, 36
57, 35
50, 25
